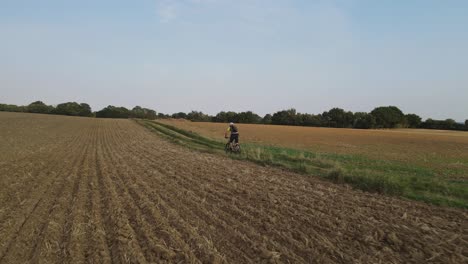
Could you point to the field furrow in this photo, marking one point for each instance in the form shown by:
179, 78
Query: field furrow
35, 176
155, 248
29, 233
192, 209
196, 202
74, 239
178, 227
200, 196
99, 243
124, 245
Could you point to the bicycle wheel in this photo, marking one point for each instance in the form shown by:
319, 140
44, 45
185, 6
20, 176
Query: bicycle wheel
238, 149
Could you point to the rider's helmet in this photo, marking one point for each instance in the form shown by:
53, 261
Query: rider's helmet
231, 124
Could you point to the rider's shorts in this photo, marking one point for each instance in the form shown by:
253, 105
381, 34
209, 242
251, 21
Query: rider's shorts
234, 138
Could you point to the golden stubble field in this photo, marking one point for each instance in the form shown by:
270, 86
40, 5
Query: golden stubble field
441, 150
84, 190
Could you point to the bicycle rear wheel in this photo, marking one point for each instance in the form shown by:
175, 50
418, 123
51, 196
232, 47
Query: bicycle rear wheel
237, 149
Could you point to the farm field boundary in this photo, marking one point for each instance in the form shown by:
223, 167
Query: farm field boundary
382, 176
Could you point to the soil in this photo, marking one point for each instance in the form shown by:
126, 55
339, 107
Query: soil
77, 190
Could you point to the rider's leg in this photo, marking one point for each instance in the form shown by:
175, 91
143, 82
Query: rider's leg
232, 139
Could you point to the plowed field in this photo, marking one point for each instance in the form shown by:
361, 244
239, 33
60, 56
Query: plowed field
77, 190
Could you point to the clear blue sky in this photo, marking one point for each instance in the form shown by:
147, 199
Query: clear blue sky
213, 55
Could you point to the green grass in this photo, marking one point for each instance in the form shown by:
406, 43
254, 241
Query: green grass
382, 176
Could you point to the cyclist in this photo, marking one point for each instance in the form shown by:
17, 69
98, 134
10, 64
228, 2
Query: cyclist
234, 133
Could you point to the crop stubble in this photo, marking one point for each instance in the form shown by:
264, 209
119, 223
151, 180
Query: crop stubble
111, 191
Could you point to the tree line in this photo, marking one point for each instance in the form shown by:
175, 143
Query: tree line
380, 117
81, 109
122, 112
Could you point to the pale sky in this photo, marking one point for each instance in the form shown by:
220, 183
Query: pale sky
239, 55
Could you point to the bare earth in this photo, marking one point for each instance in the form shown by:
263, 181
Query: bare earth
101, 191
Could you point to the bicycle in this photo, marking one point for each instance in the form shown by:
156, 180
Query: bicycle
232, 147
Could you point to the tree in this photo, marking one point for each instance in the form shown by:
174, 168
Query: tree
39, 107
428, 124
413, 120
248, 118
219, 117
11, 108
466, 124
113, 112
143, 113
388, 116
137, 112
363, 120
311, 120
150, 113
73, 109
266, 119
349, 119
225, 117
162, 116
449, 124
198, 116
180, 115
284, 117
85, 110
337, 117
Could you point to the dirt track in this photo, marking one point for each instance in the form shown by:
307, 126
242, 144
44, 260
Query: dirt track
102, 191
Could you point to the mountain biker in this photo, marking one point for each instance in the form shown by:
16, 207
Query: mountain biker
234, 133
